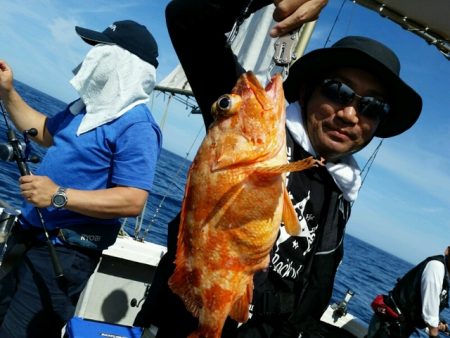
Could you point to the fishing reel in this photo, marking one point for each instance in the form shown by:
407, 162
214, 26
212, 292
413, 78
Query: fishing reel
340, 309
14, 149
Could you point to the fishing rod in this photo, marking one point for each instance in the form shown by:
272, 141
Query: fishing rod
21, 161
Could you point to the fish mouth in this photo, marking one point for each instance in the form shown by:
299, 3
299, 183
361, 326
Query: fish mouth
275, 87
273, 90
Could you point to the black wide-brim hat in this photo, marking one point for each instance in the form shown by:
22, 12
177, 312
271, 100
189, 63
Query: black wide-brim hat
127, 34
372, 56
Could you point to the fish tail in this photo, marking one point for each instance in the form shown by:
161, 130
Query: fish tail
293, 166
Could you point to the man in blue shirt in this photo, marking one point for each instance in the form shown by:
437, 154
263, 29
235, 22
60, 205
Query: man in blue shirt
99, 166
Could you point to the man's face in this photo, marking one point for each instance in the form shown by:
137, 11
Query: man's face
337, 129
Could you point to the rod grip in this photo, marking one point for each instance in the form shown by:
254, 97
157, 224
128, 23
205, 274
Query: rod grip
57, 269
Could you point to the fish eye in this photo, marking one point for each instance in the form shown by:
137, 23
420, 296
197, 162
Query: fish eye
226, 105
224, 102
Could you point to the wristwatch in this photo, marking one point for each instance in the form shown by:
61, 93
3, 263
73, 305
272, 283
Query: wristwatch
59, 199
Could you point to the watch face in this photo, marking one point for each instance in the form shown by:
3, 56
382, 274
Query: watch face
59, 200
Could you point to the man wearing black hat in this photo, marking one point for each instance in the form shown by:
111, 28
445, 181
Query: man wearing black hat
415, 302
94, 172
340, 98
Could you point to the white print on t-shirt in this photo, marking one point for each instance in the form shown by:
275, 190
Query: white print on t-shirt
284, 266
306, 232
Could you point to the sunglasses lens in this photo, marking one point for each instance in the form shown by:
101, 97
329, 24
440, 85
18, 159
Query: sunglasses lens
342, 94
373, 107
337, 92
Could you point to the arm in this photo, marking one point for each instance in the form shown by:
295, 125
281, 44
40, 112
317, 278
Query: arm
197, 29
23, 116
443, 327
129, 177
434, 331
106, 203
431, 287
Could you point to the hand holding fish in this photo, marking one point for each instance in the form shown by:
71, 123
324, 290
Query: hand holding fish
292, 14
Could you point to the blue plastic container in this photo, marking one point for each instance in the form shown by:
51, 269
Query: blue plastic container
84, 328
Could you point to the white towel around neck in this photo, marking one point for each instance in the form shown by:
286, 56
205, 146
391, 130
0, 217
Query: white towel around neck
346, 173
110, 82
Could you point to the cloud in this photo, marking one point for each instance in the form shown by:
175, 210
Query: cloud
62, 30
416, 166
403, 201
106, 6
396, 228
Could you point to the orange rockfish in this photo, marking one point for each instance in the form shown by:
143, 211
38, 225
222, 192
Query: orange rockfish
234, 202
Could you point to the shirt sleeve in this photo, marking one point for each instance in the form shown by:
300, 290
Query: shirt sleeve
53, 123
431, 287
136, 156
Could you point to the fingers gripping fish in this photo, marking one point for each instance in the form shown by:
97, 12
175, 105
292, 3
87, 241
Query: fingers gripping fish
234, 202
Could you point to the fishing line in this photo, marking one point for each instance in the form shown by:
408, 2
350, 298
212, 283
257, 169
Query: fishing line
166, 193
24, 170
4, 115
365, 170
368, 165
237, 24
334, 23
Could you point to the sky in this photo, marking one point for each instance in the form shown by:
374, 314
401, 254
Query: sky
404, 204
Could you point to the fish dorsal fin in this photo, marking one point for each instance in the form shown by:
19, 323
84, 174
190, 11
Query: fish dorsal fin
290, 218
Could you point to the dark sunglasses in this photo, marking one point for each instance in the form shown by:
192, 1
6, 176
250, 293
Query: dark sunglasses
342, 94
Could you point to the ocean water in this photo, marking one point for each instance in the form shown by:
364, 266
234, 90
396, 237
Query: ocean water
365, 270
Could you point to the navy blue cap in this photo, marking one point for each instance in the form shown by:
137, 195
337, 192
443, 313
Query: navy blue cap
127, 34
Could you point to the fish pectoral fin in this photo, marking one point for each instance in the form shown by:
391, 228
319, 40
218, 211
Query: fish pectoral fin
229, 158
293, 166
239, 310
179, 284
290, 218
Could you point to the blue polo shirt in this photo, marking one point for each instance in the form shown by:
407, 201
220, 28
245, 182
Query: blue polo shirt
122, 152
